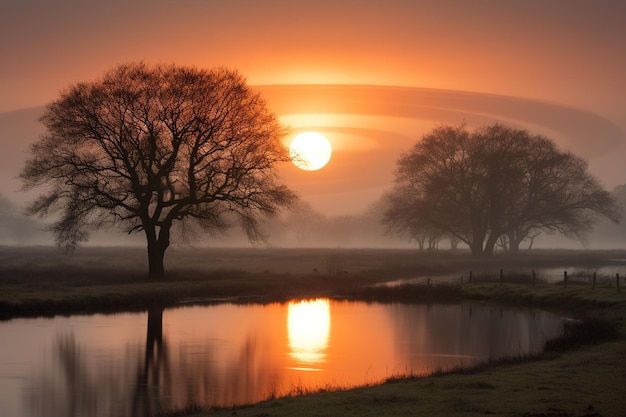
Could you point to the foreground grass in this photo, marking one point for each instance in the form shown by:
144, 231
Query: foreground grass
588, 381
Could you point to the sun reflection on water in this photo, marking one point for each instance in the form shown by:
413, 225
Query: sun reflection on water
308, 325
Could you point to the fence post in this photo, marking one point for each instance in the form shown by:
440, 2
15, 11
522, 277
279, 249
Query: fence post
534, 278
501, 277
470, 277
565, 278
593, 286
617, 282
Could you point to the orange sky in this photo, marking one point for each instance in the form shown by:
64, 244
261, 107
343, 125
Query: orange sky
564, 54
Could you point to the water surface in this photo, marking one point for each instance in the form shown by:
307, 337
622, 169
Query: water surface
227, 354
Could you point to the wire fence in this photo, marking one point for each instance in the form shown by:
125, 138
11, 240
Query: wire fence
553, 276
534, 277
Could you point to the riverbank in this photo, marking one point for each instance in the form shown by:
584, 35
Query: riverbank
41, 281
587, 380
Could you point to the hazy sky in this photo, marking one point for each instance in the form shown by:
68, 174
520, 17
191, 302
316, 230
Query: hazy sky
556, 67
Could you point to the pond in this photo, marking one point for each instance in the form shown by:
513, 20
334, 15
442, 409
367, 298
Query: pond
229, 354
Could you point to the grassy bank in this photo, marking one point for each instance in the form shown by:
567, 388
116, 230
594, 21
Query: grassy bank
584, 378
42, 281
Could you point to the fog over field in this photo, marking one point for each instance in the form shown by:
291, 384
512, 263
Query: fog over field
343, 205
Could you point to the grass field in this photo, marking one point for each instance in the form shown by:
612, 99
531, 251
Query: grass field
584, 375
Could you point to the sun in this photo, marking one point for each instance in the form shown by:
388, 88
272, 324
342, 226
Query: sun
310, 151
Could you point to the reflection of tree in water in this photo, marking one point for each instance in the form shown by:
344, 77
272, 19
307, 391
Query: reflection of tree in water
71, 390
150, 381
154, 374
75, 387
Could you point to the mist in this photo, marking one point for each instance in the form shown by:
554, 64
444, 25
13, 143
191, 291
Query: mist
370, 127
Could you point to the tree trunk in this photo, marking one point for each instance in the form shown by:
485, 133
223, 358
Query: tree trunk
478, 240
155, 261
515, 239
477, 248
156, 252
514, 246
490, 245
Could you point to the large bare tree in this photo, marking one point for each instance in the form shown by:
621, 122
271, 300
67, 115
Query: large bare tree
149, 148
491, 182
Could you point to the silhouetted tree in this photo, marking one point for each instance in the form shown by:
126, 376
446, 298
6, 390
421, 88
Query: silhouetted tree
496, 180
149, 148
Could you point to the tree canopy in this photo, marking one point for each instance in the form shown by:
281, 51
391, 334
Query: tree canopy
147, 148
495, 181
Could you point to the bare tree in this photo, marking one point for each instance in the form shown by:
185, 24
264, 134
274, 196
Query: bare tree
552, 191
149, 148
495, 181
